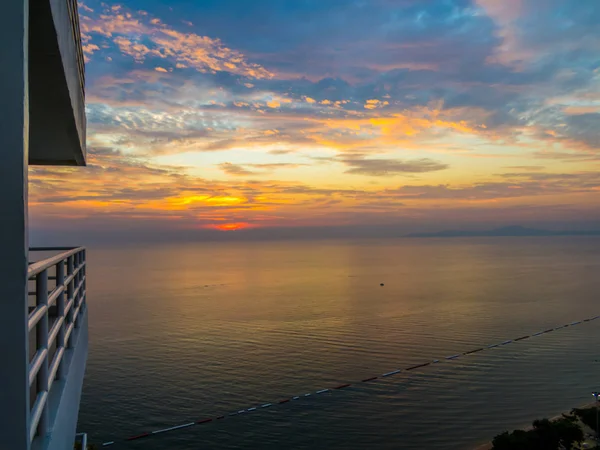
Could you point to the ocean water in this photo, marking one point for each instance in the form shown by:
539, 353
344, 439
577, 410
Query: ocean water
179, 333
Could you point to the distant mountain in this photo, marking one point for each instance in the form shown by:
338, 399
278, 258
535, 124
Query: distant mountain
514, 230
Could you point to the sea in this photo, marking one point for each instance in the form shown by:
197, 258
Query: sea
180, 333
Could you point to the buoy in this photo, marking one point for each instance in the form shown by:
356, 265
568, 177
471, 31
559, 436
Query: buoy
178, 427
417, 366
380, 284
139, 436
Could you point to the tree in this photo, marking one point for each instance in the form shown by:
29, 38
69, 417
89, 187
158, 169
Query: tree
545, 435
563, 433
569, 432
517, 440
587, 416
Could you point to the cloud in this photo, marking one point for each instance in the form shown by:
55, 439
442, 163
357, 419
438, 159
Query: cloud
521, 185
505, 15
235, 169
533, 168
141, 37
588, 179
279, 152
584, 128
271, 166
357, 88
375, 103
242, 169
389, 167
119, 188
566, 156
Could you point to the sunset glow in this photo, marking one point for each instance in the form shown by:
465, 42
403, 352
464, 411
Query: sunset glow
411, 114
230, 226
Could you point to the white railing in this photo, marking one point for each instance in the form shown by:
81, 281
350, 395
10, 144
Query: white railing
53, 317
81, 441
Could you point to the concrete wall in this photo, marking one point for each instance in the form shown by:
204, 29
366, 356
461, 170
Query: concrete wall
69, 44
14, 145
15, 127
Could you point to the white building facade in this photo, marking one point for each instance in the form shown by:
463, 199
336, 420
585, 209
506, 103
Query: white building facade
43, 318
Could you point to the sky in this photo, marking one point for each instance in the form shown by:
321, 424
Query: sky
221, 117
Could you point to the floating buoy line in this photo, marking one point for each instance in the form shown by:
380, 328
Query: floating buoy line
318, 392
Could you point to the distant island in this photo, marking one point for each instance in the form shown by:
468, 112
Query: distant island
514, 230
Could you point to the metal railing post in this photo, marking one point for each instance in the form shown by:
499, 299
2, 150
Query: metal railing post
70, 289
77, 301
83, 252
60, 309
41, 294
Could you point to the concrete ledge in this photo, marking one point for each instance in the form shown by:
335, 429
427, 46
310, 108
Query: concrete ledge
56, 97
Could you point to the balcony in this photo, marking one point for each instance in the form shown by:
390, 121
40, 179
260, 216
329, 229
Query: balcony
58, 340
57, 123
42, 121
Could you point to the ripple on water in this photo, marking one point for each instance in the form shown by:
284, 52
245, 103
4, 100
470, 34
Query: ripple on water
165, 350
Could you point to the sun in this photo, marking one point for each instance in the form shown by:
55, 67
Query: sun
232, 226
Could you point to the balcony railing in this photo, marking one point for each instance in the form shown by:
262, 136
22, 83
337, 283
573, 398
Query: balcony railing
54, 312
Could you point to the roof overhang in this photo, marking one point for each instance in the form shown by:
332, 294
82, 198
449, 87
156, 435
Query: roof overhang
57, 123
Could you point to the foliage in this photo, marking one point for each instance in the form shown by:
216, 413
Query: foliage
587, 416
517, 440
563, 433
569, 432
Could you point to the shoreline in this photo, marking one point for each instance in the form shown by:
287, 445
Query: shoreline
488, 445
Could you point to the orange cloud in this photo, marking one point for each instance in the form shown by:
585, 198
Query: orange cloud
575, 110
118, 187
203, 53
206, 199
375, 103
89, 49
408, 124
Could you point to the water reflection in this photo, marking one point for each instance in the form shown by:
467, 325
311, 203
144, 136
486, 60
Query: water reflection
180, 332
